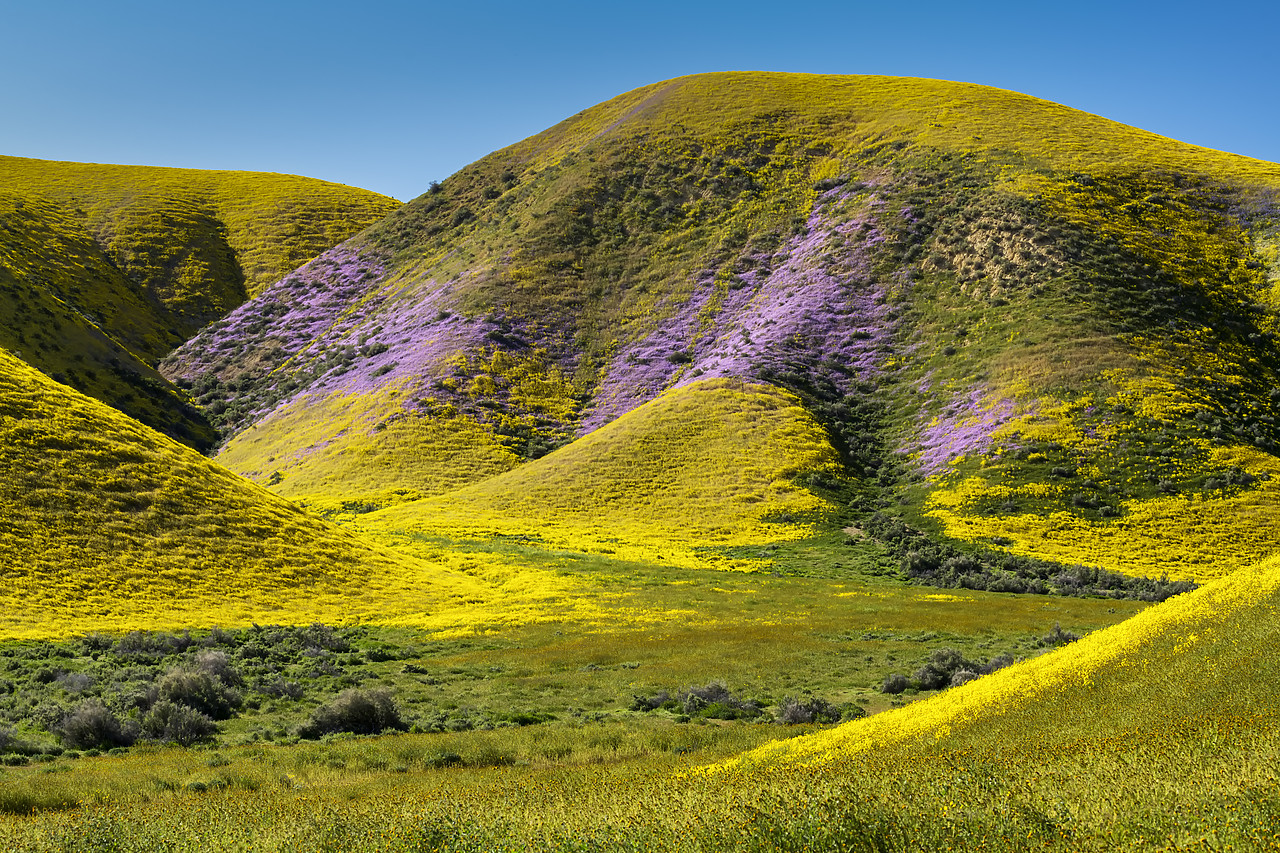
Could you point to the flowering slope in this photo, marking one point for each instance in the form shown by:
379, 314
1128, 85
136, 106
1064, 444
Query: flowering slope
1196, 658
107, 525
1011, 318
708, 464
104, 269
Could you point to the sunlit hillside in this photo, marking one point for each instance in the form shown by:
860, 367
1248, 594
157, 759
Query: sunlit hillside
106, 525
764, 462
704, 466
1031, 329
104, 269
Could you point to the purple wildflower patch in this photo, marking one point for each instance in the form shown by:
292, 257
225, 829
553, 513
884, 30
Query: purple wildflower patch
816, 299
966, 427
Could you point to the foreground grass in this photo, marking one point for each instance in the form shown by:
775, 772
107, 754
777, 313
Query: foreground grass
1157, 734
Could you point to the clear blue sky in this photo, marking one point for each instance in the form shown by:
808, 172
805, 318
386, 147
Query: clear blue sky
392, 95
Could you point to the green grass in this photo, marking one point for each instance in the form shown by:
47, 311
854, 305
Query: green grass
1155, 734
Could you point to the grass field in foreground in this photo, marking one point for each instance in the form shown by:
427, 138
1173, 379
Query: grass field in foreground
1157, 734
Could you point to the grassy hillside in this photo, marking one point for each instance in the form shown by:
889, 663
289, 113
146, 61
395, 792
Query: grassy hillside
109, 526
1029, 329
104, 269
49, 328
704, 466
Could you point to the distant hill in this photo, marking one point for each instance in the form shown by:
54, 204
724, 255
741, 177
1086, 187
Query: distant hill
1022, 326
105, 269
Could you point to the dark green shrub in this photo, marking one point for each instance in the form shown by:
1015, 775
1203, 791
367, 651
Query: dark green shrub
173, 723
942, 666
200, 691
716, 702
92, 725
651, 703
363, 712
895, 683
794, 711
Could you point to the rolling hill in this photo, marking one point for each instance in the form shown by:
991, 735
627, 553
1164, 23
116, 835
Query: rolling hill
851, 335
1023, 327
107, 525
105, 269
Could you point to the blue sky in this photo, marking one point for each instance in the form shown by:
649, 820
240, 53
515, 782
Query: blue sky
393, 95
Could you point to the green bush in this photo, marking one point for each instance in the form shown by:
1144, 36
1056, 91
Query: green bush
93, 725
199, 691
794, 711
170, 722
363, 712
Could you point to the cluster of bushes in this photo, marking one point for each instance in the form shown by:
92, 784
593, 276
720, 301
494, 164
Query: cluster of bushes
943, 565
945, 668
716, 702
949, 668
99, 693
178, 708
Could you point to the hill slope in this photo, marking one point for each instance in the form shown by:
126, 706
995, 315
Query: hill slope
104, 269
1011, 317
106, 525
708, 465
1158, 730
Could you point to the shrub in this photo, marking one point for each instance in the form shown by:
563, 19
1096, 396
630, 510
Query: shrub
716, 702
217, 665
895, 683
173, 723
651, 703
364, 712
200, 691
793, 711
963, 676
1058, 637
92, 725
942, 666
997, 662
281, 689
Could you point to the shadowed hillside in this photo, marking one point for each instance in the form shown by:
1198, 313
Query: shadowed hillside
104, 269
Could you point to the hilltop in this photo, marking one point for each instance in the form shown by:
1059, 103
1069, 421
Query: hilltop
1022, 327
105, 269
